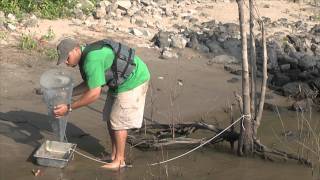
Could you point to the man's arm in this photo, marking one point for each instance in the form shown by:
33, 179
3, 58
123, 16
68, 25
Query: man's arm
80, 89
88, 97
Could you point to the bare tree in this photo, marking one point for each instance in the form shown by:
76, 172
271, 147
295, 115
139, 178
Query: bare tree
245, 143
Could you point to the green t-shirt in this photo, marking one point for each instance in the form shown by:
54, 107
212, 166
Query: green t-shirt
97, 62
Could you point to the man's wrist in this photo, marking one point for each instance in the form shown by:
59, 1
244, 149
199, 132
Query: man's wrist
69, 108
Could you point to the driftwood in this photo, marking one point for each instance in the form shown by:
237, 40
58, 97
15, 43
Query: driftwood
159, 135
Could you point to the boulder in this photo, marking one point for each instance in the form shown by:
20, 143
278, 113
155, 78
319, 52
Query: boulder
308, 62
297, 89
279, 79
100, 12
223, 59
161, 39
214, 47
178, 41
124, 4
167, 54
233, 46
136, 32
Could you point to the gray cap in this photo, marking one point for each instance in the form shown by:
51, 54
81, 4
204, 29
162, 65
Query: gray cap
64, 47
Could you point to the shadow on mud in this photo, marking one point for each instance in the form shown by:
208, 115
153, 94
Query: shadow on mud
28, 128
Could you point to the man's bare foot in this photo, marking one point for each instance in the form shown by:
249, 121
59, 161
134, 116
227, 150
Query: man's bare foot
115, 165
107, 158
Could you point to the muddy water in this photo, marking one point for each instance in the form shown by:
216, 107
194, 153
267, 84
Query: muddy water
210, 162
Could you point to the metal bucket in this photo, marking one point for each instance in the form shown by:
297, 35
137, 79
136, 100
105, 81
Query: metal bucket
54, 154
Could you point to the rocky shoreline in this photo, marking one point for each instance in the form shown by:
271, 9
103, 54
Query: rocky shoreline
293, 56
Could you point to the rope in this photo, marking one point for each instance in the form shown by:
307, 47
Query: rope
188, 152
93, 159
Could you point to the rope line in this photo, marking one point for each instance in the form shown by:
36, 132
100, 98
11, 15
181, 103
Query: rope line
93, 159
171, 159
188, 152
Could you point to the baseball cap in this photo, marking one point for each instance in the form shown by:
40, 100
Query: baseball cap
64, 47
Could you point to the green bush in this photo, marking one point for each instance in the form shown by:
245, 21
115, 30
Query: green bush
49, 9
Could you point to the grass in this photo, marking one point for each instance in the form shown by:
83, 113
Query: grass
28, 42
51, 53
49, 9
3, 35
49, 36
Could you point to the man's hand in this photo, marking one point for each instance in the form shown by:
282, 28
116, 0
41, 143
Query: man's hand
60, 110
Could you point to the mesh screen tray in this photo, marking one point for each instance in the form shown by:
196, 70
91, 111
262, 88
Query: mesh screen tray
54, 154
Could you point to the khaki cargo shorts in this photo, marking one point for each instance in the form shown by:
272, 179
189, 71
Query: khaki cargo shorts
125, 110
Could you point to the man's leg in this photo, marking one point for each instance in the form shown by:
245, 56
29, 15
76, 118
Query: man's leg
120, 144
113, 143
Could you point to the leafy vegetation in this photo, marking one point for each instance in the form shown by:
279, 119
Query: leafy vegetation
51, 53
28, 42
3, 35
49, 36
49, 9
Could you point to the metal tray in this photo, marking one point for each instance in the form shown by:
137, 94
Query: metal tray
54, 153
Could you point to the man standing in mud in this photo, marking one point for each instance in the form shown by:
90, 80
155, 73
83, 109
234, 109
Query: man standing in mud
113, 64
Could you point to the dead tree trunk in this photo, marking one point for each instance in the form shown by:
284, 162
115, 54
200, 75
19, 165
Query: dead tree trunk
253, 63
245, 144
264, 82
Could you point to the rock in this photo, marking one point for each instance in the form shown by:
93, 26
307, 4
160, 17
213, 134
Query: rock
104, 4
136, 32
124, 4
266, 6
272, 50
86, 4
166, 54
141, 23
297, 89
11, 27
315, 49
32, 21
223, 59
315, 39
315, 30
214, 47
145, 2
233, 46
285, 67
296, 41
308, 62
233, 80
178, 41
90, 21
286, 59
11, 18
76, 22
161, 39
233, 69
193, 43
279, 79
202, 48
78, 13
100, 12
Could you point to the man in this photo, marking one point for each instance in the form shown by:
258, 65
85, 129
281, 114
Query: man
115, 65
